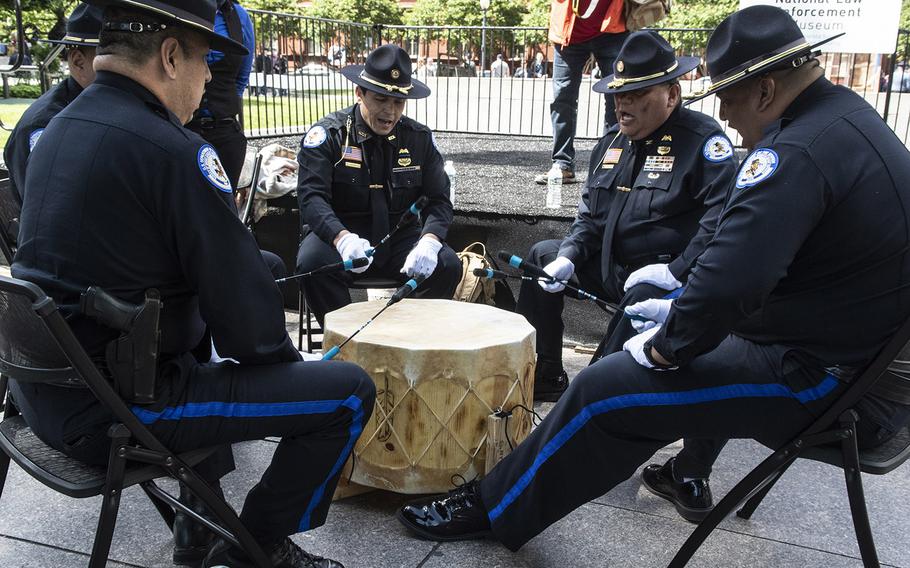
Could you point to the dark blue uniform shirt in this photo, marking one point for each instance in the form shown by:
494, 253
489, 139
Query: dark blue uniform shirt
31, 126
813, 248
120, 195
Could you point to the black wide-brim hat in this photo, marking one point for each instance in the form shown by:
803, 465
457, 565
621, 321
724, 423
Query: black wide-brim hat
196, 15
753, 41
645, 59
82, 27
388, 72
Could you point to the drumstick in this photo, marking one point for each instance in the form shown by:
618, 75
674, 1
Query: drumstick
399, 295
491, 274
411, 212
335, 267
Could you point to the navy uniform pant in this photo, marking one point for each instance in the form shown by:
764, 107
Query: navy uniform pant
328, 292
616, 414
543, 309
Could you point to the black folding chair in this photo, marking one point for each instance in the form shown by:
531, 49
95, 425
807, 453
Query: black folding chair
830, 439
37, 345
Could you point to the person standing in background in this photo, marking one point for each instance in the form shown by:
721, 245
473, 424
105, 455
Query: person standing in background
216, 119
578, 30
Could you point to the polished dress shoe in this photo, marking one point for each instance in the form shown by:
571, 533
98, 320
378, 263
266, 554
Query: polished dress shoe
457, 516
284, 554
191, 539
692, 499
550, 380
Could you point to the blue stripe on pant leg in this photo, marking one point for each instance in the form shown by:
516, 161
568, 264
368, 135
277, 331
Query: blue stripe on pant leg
236, 410
726, 392
356, 405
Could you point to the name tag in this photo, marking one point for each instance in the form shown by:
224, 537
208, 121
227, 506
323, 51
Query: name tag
406, 169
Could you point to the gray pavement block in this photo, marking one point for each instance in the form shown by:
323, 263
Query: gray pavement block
23, 554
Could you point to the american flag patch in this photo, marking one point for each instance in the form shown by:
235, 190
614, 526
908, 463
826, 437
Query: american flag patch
352, 153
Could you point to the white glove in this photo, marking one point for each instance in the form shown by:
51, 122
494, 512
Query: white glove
352, 246
561, 269
636, 346
421, 261
654, 311
656, 274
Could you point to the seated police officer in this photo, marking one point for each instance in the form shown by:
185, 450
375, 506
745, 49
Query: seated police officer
81, 39
120, 195
361, 168
809, 249
655, 188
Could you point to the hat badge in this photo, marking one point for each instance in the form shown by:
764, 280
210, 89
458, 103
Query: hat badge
620, 66
395, 73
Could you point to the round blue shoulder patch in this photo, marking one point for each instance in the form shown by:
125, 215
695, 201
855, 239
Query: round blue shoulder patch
33, 138
718, 148
757, 167
314, 137
212, 170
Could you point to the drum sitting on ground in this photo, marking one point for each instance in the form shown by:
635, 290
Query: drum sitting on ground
440, 368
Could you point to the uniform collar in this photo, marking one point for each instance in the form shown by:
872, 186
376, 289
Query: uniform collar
124, 83
73, 88
809, 94
361, 132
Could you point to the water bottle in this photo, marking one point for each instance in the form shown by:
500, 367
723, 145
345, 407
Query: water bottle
449, 169
554, 189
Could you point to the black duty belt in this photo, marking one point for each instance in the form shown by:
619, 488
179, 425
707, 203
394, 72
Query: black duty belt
209, 122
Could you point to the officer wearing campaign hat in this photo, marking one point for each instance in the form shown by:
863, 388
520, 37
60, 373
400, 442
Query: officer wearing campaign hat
81, 39
120, 195
655, 187
361, 168
806, 278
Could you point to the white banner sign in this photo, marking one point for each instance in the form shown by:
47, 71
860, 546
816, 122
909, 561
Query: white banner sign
870, 25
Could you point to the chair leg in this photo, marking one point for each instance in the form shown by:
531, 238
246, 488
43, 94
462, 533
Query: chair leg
164, 509
226, 516
855, 494
762, 473
746, 511
300, 309
110, 503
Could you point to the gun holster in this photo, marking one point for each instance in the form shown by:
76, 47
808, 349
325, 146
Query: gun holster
132, 358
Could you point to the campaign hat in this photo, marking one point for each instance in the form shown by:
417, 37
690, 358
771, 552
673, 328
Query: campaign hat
196, 15
387, 71
753, 41
645, 59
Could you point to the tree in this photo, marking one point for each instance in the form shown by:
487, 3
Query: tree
360, 11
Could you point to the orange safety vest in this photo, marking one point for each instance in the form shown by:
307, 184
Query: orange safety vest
562, 19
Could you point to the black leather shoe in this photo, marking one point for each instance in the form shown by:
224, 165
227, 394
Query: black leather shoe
550, 380
692, 499
285, 554
458, 516
191, 539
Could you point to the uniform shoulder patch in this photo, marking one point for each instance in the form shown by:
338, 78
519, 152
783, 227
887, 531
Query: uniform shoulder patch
212, 170
757, 167
718, 148
314, 137
33, 138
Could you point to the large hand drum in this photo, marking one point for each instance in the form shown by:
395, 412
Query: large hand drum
440, 368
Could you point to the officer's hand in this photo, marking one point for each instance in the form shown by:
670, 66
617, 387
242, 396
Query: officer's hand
352, 246
561, 269
421, 261
653, 311
636, 346
656, 274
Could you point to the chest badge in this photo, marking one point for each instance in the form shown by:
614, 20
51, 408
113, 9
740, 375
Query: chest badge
404, 157
212, 170
666, 138
659, 164
352, 154
759, 166
663, 150
611, 158
653, 175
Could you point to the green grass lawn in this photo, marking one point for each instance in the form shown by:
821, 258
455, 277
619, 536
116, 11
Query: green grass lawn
262, 112
10, 111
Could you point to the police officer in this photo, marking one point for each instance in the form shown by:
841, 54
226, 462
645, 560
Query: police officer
121, 195
216, 120
361, 168
810, 248
655, 188
81, 39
